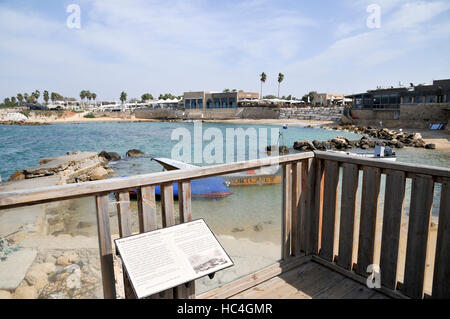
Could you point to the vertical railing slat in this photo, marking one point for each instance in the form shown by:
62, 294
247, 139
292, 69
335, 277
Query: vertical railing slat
441, 277
392, 218
286, 211
318, 205
330, 194
185, 211
295, 211
105, 247
418, 227
147, 209
350, 177
368, 221
307, 206
124, 216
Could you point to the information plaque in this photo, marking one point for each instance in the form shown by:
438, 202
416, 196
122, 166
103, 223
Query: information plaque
158, 260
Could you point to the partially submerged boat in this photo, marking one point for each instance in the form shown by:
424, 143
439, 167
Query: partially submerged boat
209, 187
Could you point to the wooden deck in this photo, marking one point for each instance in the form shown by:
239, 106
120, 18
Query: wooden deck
310, 281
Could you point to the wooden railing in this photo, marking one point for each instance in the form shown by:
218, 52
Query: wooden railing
309, 205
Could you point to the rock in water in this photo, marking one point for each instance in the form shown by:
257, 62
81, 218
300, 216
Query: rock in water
110, 156
135, 153
430, 146
99, 173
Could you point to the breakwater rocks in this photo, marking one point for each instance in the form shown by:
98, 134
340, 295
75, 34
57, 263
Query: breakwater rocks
22, 123
373, 136
72, 168
312, 113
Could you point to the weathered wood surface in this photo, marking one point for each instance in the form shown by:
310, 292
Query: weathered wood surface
309, 281
296, 212
185, 211
441, 277
124, 217
350, 176
105, 247
287, 207
318, 206
308, 176
392, 218
399, 166
147, 209
330, 194
369, 210
418, 227
56, 193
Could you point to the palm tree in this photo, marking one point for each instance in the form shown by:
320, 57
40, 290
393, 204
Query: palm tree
46, 96
82, 95
123, 97
263, 80
280, 79
94, 96
36, 95
89, 96
13, 100
20, 98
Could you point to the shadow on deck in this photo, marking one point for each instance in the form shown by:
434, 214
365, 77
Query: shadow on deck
310, 281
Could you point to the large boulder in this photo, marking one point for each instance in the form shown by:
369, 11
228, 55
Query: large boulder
110, 156
304, 146
99, 173
135, 153
430, 146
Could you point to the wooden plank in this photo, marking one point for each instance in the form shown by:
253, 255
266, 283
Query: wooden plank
350, 178
398, 166
330, 194
124, 216
295, 210
368, 221
392, 218
307, 205
422, 192
354, 276
418, 227
105, 247
441, 277
287, 206
60, 192
318, 206
147, 209
185, 210
249, 281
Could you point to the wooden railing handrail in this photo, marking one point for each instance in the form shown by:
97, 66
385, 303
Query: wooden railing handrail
405, 167
34, 196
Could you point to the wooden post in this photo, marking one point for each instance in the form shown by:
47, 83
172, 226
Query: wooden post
296, 211
124, 216
418, 227
318, 206
441, 277
350, 178
185, 210
147, 209
287, 206
392, 218
368, 222
105, 247
329, 210
307, 206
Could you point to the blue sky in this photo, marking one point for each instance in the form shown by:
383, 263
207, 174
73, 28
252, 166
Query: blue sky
144, 46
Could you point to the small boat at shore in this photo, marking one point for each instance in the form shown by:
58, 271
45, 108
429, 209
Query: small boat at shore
383, 153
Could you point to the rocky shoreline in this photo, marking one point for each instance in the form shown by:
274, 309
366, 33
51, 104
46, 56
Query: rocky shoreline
23, 123
372, 137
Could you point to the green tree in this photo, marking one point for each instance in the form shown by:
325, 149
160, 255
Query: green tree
94, 97
89, 96
36, 95
20, 98
6, 101
280, 79
46, 96
123, 97
146, 97
226, 90
263, 78
13, 100
83, 95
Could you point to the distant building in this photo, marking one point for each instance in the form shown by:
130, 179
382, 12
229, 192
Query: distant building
216, 100
329, 99
392, 98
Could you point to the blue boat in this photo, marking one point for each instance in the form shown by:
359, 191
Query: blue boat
209, 187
